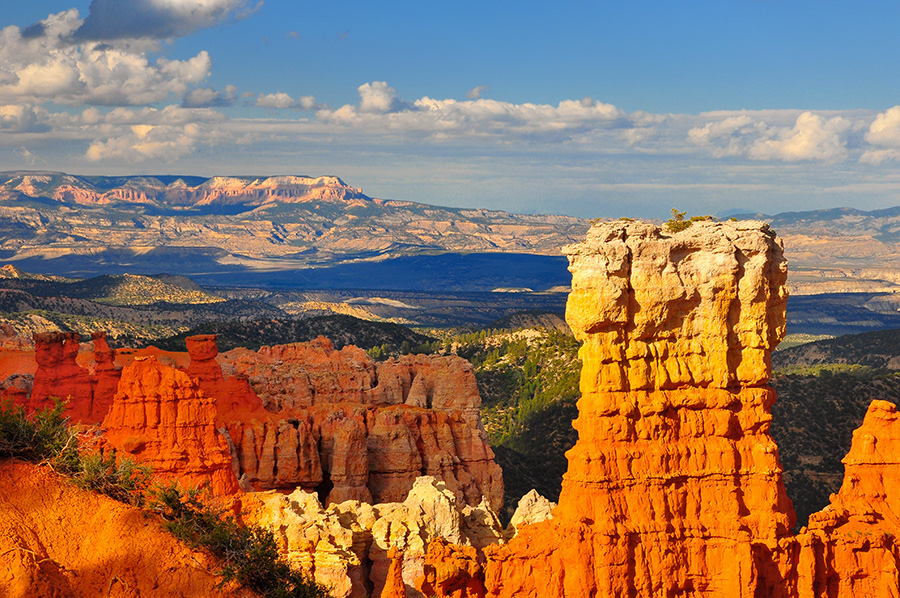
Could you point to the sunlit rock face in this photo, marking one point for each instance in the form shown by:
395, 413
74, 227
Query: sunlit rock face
348, 546
674, 478
340, 424
160, 417
302, 415
674, 486
850, 548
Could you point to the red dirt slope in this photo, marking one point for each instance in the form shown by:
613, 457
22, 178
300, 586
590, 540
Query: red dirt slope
57, 540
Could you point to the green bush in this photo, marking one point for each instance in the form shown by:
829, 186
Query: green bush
44, 436
250, 553
121, 479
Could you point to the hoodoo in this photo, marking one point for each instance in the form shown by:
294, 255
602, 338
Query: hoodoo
674, 487
674, 480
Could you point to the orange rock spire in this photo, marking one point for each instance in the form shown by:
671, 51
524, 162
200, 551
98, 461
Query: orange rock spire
674, 486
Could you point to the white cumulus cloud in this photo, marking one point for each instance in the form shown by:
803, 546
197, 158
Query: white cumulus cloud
51, 66
136, 135
379, 97
380, 108
276, 100
884, 134
811, 138
207, 97
22, 119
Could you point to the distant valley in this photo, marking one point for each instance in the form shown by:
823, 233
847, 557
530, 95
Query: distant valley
295, 246
305, 232
291, 231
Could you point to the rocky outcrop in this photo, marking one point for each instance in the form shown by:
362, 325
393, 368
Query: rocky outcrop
358, 549
104, 378
300, 415
59, 376
674, 477
532, 508
851, 548
214, 191
160, 417
674, 486
340, 424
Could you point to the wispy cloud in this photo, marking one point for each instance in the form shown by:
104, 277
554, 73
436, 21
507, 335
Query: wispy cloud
475, 92
283, 101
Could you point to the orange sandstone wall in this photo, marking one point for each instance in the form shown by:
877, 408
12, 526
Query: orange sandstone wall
159, 416
304, 414
341, 424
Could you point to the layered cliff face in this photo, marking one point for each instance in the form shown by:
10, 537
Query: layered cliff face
674, 479
851, 547
58, 375
338, 423
214, 191
331, 422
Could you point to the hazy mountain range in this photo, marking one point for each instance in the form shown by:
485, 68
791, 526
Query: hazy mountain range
319, 232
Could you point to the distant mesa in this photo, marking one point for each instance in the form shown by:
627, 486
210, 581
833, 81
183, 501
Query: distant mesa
286, 231
177, 191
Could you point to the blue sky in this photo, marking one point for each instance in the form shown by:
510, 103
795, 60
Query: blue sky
585, 108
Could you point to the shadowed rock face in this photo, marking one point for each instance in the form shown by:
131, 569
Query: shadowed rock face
674, 486
59, 376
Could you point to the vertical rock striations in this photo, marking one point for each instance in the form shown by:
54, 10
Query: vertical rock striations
674, 486
300, 415
58, 375
851, 547
340, 424
160, 417
674, 471
105, 379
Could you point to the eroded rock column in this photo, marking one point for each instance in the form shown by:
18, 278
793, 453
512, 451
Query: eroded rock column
674, 486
